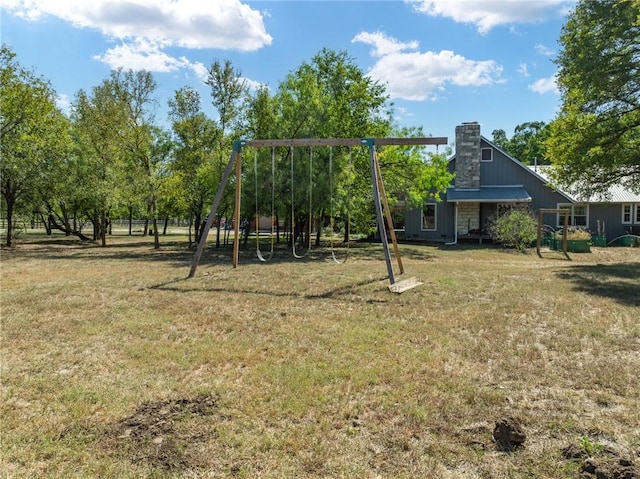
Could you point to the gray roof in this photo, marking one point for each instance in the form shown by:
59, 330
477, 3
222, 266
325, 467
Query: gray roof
615, 194
489, 194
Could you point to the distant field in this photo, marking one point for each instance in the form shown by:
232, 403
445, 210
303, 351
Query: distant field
116, 366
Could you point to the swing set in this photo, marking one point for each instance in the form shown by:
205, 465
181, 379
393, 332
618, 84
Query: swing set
379, 195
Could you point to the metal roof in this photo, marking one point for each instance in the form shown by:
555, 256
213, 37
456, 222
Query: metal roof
489, 194
615, 194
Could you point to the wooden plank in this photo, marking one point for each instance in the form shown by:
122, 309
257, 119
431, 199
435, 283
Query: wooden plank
378, 205
411, 141
212, 213
404, 285
296, 142
387, 211
236, 231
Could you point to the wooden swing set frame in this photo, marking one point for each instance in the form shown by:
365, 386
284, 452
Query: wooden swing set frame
379, 194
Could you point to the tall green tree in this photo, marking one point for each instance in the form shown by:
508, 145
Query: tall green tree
595, 140
228, 97
97, 120
134, 94
499, 137
33, 134
266, 171
331, 97
195, 138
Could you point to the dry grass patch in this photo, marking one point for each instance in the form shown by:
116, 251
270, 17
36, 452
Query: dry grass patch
115, 365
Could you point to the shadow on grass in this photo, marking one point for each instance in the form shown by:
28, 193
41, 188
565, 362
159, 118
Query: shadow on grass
176, 251
334, 293
620, 282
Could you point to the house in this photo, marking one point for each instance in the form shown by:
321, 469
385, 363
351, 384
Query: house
489, 181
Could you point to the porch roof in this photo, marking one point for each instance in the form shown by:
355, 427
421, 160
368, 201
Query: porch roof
489, 194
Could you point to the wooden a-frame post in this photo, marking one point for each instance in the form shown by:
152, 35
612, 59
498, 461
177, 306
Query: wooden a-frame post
379, 194
563, 211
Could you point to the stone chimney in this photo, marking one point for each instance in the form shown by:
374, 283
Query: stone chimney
468, 155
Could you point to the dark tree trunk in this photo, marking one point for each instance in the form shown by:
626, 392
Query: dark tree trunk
346, 231
156, 237
9, 242
45, 223
103, 229
61, 227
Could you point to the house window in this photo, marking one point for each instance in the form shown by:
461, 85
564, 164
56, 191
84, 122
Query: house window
578, 215
626, 213
429, 217
638, 214
487, 154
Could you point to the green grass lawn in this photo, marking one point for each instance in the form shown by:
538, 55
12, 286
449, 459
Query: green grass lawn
114, 365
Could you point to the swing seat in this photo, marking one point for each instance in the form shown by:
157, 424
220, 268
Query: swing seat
404, 285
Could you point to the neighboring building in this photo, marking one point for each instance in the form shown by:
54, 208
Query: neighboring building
489, 180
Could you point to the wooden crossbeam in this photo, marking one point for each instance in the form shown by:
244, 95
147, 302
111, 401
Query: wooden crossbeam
296, 142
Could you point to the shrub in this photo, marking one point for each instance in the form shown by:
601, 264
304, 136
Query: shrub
516, 229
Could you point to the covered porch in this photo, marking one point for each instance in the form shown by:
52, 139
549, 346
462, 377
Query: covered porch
475, 208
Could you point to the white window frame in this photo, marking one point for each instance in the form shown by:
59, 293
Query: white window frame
572, 215
627, 209
435, 217
490, 156
637, 215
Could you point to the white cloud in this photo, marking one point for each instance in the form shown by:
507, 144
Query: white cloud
145, 29
222, 24
201, 71
545, 85
141, 55
383, 45
419, 76
544, 50
523, 70
63, 103
487, 14
252, 84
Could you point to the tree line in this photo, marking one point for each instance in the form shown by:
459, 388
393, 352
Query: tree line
108, 159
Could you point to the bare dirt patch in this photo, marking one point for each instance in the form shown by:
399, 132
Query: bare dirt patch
164, 434
602, 463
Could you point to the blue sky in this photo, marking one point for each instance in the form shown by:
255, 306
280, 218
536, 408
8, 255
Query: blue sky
443, 62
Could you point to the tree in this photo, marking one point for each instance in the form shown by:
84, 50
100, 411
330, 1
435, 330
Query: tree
97, 119
263, 182
331, 97
528, 143
33, 133
195, 138
595, 139
499, 138
228, 93
412, 174
134, 96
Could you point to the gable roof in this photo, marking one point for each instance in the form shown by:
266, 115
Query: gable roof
544, 180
